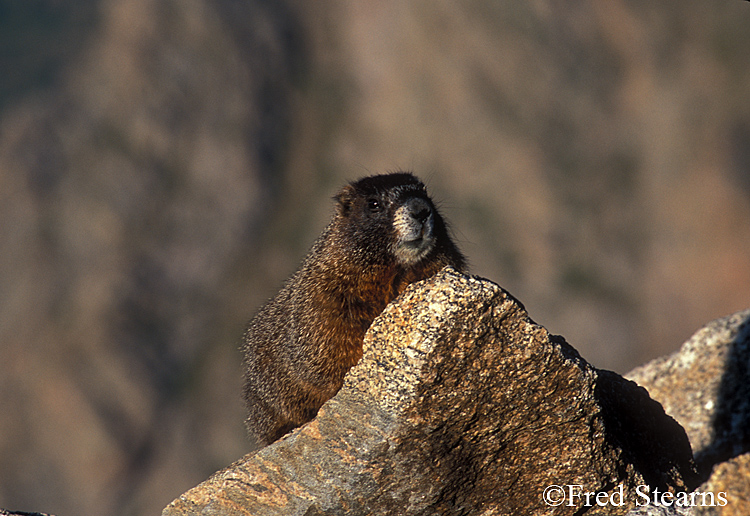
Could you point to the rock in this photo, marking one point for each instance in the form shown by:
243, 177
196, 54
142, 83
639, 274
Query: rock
705, 386
3, 512
733, 479
461, 405
651, 510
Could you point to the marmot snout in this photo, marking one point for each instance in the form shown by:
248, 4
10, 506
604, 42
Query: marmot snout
385, 234
413, 225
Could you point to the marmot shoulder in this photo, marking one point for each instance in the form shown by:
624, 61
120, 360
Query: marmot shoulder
385, 234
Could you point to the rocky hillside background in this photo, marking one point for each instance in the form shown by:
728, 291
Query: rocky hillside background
165, 164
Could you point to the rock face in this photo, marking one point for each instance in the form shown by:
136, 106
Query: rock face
460, 405
733, 478
705, 386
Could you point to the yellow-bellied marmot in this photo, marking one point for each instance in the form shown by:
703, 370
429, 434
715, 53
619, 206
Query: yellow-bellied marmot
385, 234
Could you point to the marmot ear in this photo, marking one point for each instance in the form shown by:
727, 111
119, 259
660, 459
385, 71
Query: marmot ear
344, 200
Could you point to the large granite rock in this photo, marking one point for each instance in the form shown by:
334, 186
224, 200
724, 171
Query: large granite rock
461, 405
705, 386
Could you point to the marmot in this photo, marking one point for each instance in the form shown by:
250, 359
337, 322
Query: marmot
385, 234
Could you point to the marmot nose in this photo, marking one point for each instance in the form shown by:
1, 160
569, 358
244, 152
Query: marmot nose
420, 210
422, 215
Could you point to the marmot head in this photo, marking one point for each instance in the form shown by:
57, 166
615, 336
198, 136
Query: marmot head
389, 218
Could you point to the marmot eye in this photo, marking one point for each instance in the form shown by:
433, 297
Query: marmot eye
374, 205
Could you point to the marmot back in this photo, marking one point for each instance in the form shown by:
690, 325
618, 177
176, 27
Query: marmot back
385, 234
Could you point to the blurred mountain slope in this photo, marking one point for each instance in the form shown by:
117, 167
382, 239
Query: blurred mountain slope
132, 192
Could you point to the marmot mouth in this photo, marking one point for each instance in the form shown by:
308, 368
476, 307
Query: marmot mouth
409, 252
418, 243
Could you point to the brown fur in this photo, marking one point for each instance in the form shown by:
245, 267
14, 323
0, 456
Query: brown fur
385, 234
